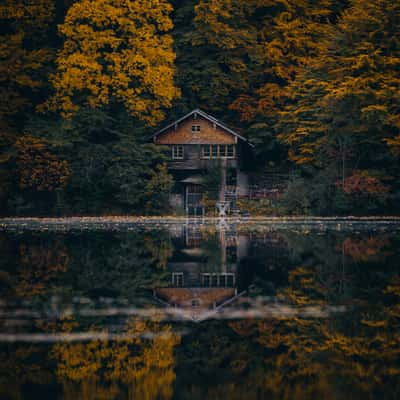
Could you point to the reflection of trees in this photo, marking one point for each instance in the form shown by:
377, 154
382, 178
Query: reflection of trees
352, 355
116, 265
19, 366
92, 263
362, 250
160, 248
358, 352
211, 251
38, 265
30, 264
341, 263
137, 366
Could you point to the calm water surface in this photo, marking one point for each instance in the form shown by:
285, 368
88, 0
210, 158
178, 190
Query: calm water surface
200, 312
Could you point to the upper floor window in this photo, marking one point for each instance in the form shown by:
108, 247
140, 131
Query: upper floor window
195, 303
177, 152
177, 279
195, 128
218, 151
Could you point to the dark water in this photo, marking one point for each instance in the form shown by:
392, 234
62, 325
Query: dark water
200, 312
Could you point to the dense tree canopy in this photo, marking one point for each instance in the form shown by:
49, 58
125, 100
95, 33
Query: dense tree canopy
116, 50
313, 85
349, 93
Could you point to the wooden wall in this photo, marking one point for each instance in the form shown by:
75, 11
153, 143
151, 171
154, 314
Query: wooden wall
183, 134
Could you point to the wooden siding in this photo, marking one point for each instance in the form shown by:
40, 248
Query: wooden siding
183, 297
197, 164
208, 134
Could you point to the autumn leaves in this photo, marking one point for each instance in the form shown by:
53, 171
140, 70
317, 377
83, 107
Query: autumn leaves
116, 51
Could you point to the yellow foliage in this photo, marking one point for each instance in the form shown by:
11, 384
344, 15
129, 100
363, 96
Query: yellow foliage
353, 73
116, 50
278, 44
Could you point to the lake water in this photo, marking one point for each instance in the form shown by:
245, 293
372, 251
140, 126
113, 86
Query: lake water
200, 311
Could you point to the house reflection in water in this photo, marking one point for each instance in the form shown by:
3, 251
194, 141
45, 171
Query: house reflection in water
204, 273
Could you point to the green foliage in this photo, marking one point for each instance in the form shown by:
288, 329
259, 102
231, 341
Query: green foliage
296, 199
212, 181
109, 166
157, 190
309, 83
255, 207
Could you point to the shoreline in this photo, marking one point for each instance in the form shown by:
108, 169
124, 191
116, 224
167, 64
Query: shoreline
115, 223
199, 218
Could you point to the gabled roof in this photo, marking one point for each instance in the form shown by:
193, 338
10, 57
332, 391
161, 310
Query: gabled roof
206, 116
180, 299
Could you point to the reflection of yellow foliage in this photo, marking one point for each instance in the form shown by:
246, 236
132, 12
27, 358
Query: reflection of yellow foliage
38, 265
362, 250
18, 369
144, 365
315, 352
160, 250
374, 324
304, 288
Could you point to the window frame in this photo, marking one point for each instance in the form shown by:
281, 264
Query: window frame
178, 279
177, 152
214, 154
196, 128
205, 148
233, 152
214, 151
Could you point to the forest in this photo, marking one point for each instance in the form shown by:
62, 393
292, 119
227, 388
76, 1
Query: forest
315, 86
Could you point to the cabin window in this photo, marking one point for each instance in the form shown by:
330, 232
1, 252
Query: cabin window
177, 279
206, 279
195, 303
230, 151
217, 151
205, 151
177, 152
230, 280
195, 128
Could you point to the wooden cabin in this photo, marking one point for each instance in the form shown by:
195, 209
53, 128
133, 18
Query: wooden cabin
197, 143
203, 282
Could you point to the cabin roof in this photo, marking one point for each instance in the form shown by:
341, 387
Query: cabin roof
207, 117
182, 297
